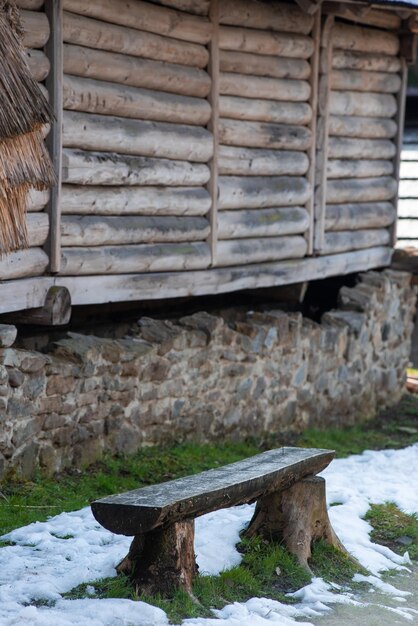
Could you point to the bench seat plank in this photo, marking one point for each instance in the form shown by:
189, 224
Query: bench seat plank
141, 510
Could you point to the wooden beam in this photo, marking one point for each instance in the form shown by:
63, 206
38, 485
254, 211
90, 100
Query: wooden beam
55, 311
400, 121
324, 93
408, 49
313, 101
54, 52
213, 126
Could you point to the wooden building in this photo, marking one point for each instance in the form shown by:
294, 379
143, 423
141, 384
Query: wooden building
206, 146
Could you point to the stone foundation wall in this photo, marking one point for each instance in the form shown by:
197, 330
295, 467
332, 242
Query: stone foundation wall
206, 377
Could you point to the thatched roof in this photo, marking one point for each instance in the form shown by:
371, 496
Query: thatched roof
24, 160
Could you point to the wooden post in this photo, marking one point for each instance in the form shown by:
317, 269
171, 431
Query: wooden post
322, 133
313, 101
54, 52
400, 121
213, 126
296, 516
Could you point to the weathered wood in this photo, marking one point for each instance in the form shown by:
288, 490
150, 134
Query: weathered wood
263, 65
345, 148
361, 189
32, 5
135, 71
198, 7
103, 231
246, 86
363, 104
213, 126
256, 192
82, 200
358, 168
29, 262
264, 135
145, 16
362, 80
39, 64
53, 83
352, 60
400, 121
313, 103
163, 257
343, 241
93, 96
359, 215
262, 42
362, 127
233, 107
245, 251
37, 200
162, 560
55, 311
96, 34
104, 168
363, 15
35, 29
142, 510
262, 223
279, 16
258, 162
296, 517
98, 289
117, 134
363, 39
38, 228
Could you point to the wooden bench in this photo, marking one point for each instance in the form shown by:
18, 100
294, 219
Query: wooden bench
291, 508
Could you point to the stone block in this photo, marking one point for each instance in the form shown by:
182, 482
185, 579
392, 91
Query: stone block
16, 377
8, 334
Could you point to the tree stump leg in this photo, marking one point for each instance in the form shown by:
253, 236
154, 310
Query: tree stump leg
296, 517
162, 560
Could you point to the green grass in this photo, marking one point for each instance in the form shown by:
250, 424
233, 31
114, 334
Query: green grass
390, 525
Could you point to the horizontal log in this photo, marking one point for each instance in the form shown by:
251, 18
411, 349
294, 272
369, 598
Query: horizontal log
352, 60
262, 65
103, 168
31, 5
361, 190
364, 15
345, 241
94, 289
357, 80
409, 169
163, 257
198, 7
38, 64
37, 200
94, 96
278, 16
24, 263
117, 134
251, 109
38, 228
407, 208
263, 135
408, 188
362, 127
136, 72
262, 42
96, 230
95, 34
35, 29
256, 192
363, 104
345, 148
407, 229
262, 223
363, 39
145, 16
84, 200
358, 216
231, 84
246, 251
257, 162
358, 168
